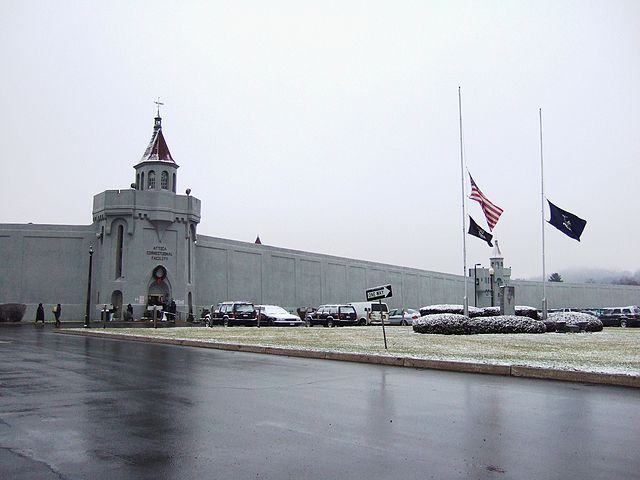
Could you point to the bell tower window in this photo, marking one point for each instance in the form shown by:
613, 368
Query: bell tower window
173, 186
152, 180
164, 180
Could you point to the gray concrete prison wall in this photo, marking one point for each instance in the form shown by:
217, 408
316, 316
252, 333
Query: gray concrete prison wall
231, 270
576, 295
49, 264
45, 263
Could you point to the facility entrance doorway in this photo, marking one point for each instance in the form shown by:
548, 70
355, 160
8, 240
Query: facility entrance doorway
116, 302
159, 290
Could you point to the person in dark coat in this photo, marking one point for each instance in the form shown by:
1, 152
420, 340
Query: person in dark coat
57, 310
129, 314
40, 314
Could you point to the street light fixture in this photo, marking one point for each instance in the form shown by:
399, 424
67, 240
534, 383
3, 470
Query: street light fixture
491, 274
88, 310
475, 283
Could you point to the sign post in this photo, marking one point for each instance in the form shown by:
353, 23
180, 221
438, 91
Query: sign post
378, 293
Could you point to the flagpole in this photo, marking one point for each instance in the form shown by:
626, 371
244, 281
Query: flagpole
465, 305
544, 274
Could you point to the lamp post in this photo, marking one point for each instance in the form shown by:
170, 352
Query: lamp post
475, 283
491, 274
88, 310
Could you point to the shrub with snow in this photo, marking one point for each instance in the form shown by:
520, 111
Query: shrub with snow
586, 321
525, 311
446, 308
12, 312
490, 311
521, 311
456, 324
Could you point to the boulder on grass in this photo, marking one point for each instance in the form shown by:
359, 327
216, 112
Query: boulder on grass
12, 312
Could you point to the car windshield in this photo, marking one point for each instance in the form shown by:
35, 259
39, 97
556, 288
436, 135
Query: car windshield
274, 309
244, 307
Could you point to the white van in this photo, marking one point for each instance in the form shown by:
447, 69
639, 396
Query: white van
369, 312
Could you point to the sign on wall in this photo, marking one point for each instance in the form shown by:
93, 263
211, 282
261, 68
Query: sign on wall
159, 253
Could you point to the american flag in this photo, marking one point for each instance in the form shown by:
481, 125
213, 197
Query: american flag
491, 211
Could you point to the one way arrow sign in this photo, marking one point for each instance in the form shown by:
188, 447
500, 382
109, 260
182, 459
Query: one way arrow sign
376, 293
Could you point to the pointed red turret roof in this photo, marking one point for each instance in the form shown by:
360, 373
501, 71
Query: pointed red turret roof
157, 149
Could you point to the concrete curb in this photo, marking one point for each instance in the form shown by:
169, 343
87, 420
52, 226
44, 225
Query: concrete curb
521, 371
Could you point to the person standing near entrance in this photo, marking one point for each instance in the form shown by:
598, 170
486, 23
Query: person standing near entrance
57, 310
39, 314
129, 314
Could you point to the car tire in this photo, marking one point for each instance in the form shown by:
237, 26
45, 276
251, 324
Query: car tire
362, 322
404, 323
623, 323
330, 322
225, 321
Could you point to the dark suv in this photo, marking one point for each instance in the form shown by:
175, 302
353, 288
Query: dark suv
620, 317
332, 315
234, 313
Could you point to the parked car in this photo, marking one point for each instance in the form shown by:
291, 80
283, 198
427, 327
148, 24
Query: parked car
273, 315
234, 313
621, 316
371, 312
403, 316
332, 315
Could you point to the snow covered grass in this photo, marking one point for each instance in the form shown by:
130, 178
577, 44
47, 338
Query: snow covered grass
614, 350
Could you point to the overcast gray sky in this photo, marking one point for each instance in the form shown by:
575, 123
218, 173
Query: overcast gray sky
332, 126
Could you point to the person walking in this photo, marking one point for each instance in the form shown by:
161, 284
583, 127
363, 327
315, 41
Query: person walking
39, 314
57, 310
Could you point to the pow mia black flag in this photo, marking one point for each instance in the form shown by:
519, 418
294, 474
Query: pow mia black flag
476, 231
568, 223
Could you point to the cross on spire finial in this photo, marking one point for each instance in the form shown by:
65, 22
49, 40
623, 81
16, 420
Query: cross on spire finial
158, 103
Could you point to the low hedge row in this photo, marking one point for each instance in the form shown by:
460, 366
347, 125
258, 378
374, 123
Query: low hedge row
456, 324
521, 311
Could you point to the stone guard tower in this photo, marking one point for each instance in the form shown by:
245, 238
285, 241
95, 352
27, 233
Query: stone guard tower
146, 236
489, 280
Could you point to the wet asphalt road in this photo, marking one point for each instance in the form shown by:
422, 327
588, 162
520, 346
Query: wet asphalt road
78, 407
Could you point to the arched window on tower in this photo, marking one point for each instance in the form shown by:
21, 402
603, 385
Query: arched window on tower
164, 180
119, 245
173, 185
137, 181
189, 256
141, 184
152, 180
